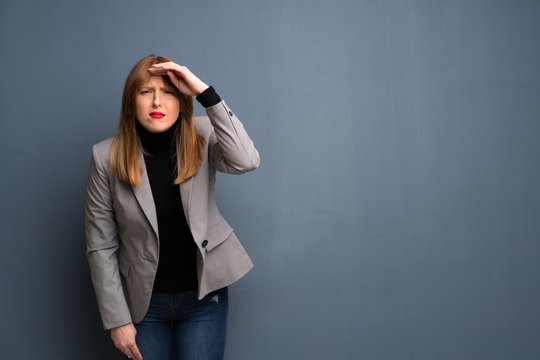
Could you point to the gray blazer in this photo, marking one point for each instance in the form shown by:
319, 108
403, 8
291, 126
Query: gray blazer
121, 224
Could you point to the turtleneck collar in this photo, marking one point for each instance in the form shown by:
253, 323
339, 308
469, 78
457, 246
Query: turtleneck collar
158, 143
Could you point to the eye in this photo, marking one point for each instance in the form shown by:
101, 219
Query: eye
144, 91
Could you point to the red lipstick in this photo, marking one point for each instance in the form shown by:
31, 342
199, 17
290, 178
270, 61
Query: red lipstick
157, 115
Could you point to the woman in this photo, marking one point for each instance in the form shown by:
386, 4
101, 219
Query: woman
160, 253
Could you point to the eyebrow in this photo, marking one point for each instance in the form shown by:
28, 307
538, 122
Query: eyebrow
153, 88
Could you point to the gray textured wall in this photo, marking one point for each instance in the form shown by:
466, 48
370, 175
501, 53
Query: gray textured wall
396, 211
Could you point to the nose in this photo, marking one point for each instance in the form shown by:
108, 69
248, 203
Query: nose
157, 100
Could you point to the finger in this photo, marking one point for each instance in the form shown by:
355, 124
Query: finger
157, 71
177, 72
135, 353
167, 63
174, 67
175, 78
166, 66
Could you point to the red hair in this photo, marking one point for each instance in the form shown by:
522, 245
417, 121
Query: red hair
125, 155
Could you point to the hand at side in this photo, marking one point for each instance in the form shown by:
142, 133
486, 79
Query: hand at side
123, 338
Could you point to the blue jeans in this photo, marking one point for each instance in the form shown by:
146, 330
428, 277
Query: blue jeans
178, 326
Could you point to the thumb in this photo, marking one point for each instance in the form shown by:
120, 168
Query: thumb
172, 75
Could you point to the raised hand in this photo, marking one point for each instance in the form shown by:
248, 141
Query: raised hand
181, 77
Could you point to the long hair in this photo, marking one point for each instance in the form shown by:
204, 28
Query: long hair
125, 155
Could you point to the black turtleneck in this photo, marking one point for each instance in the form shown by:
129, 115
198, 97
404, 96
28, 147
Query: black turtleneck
177, 268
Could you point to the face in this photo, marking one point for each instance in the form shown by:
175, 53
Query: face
157, 107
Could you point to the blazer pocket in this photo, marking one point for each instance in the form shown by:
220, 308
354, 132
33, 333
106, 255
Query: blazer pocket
123, 266
217, 234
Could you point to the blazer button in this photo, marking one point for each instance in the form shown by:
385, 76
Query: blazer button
230, 113
204, 243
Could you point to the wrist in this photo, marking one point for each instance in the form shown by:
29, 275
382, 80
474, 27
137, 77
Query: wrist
200, 89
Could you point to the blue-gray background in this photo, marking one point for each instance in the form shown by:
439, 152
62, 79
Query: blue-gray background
396, 211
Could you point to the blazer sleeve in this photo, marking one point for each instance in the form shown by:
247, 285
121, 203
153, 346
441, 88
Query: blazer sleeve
231, 150
102, 245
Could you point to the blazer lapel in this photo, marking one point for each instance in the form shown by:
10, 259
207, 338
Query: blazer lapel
143, 193
185, 194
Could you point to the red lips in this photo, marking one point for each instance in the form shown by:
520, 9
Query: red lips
157, 115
